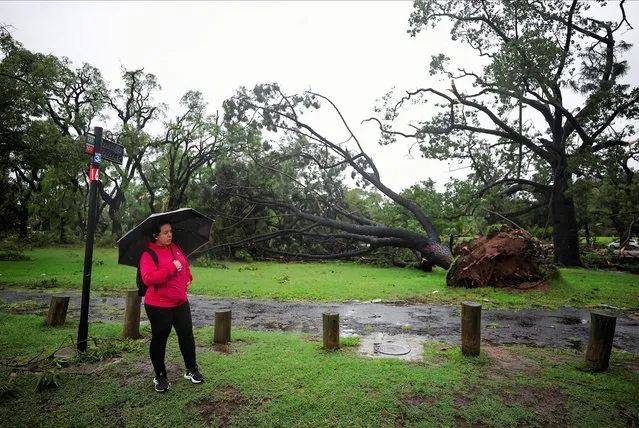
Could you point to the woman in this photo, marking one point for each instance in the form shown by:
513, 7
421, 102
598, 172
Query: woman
167, 304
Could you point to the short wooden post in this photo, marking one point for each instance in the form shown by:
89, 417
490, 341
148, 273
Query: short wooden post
222, 332
330, 323
58, 310
132, 315
602, 331
471, 328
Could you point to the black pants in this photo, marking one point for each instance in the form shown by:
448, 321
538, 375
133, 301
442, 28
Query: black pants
162, 320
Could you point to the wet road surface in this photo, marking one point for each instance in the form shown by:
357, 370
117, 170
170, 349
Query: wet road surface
557, 328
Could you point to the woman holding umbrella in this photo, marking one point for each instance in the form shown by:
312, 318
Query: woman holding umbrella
166, 303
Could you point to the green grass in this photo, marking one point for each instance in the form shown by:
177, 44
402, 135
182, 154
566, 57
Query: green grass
600, 241
61, 268
277, 379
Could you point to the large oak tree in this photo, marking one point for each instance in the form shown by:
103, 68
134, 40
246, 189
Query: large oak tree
553, 64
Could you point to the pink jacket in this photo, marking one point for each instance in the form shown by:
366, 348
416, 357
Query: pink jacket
171, 284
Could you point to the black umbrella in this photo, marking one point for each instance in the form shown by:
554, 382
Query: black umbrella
191, 230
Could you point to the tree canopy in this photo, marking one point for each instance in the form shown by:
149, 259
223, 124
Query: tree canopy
553, 63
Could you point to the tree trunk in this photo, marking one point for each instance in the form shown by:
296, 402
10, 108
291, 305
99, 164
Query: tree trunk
114, 203
435, 254
587, 232
62, 229
23, 216
564, 220
116, 224
82, 224
173, 203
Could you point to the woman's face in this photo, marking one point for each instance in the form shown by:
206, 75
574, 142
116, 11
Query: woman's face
165, 236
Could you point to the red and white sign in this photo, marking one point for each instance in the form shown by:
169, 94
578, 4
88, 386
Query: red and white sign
94, 172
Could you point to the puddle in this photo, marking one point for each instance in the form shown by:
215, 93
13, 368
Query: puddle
526, 323
347, 332
571, 320
401, 346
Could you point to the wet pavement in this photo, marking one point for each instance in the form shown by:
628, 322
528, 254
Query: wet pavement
556, 328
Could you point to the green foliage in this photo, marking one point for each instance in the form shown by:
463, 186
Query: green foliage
208, 262
251, 267
13, 255
365, 203
243, 256
426, 197
105, 349
193, 140
50, 378
48, 102
283, 279
608, 260
8, 392
106, 240
44, 283
540, 232
248, 195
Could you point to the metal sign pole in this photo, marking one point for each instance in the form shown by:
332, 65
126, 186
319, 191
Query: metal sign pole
94, 170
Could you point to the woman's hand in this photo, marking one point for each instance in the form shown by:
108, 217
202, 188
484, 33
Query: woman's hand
178, 265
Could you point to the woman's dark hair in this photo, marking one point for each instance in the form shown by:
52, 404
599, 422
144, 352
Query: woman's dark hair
155, 232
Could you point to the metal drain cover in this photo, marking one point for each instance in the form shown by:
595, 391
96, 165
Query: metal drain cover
391, 348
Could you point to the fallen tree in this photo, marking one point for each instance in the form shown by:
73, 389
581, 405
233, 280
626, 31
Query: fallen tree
316, 212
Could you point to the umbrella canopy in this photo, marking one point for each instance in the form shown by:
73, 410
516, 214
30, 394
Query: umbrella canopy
191, 230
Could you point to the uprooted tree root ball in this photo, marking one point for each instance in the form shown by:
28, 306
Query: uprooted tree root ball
508, 258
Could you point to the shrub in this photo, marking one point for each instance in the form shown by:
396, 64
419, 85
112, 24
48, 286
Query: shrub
208, 262
13, 256
105, 241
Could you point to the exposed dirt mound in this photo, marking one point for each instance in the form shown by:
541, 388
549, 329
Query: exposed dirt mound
505, 259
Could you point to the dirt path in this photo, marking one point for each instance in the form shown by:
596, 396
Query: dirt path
557, 328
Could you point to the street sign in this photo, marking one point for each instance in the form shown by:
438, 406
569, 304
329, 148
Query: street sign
94, 171
111, 151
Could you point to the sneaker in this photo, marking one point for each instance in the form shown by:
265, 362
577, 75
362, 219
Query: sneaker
161, 383
194, 375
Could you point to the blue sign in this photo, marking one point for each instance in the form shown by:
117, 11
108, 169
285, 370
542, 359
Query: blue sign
97, 158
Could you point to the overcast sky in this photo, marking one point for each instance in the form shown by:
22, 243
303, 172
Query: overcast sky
352, 52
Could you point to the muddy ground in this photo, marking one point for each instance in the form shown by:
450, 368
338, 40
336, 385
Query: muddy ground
557, 328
